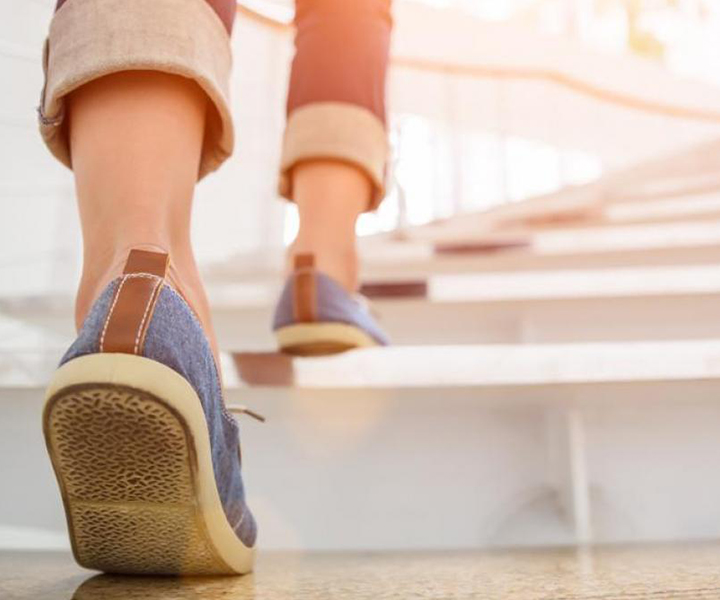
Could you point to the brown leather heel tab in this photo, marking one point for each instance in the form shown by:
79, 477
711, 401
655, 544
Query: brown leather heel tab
304, 289
304, 261
144, 261
134, 302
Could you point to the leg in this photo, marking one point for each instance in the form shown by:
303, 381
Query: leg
136, 136
330, 197
335, 144
135, 422
127, 197
333, 163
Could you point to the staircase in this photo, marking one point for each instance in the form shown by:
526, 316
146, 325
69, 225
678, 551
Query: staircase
554, 380
555, 377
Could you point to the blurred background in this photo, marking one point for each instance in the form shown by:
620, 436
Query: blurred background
549, 244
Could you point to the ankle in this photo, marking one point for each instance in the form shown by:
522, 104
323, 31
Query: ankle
339, 261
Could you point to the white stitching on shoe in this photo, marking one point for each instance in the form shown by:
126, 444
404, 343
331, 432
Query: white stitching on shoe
110, 312
143, 275
145, 314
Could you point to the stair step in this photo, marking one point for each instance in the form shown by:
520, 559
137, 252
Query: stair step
439, 366
588, 246
408, 367
424, 262
501, 286
550, 285
682, 242
637, 303
659, 303
511, 444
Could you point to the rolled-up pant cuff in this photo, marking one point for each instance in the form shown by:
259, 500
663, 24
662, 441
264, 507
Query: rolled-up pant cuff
336, 131
92, 38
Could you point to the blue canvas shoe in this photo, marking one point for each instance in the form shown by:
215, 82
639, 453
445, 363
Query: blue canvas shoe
315, 315
146, 454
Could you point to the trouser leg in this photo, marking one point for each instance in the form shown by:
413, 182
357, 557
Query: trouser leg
89, 39
336, 99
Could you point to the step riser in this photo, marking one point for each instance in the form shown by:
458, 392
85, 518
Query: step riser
456, 468
681, 317
572, 320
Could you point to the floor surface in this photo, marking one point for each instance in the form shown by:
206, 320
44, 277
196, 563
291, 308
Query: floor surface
622, 573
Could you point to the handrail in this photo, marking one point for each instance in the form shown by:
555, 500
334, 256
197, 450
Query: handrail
528, 73
577, 85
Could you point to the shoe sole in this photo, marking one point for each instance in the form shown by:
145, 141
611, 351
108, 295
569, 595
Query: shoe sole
130, 447
319, 339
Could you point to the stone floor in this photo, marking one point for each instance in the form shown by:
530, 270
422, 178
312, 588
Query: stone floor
622, 573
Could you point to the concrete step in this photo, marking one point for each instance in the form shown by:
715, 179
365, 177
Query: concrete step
388, 258
475, 366
638, 303
449, 447
628, 244
418, 262
594, 319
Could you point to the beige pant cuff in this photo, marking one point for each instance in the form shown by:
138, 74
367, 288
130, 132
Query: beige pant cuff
92, 38
336, 131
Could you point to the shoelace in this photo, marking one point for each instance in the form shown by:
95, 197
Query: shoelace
244, 410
